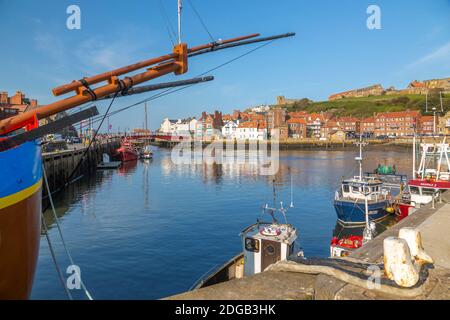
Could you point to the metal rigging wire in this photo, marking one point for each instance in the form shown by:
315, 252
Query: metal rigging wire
201, 20
169, 27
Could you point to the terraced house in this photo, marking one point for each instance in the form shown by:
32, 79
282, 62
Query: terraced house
398, 124
209, 126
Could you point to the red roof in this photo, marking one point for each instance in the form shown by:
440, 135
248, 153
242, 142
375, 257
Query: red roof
253, 124
297, 120
399, 114
417, 84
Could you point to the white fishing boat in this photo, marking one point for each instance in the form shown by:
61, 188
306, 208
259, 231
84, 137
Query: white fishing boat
263, 244
147, 153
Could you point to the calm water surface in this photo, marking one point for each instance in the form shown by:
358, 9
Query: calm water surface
151, 229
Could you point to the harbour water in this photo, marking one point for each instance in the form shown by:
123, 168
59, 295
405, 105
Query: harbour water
151, 229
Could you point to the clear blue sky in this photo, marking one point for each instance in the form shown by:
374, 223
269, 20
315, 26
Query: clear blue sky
333, 50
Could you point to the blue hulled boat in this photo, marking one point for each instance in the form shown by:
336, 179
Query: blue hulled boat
361, 199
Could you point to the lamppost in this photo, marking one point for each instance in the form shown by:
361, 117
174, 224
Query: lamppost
434, 121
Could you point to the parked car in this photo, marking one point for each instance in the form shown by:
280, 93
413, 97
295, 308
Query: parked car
382, 137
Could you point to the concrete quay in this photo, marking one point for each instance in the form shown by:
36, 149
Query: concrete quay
59, 164
434, 225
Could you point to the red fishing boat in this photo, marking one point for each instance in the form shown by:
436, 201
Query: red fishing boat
126, 152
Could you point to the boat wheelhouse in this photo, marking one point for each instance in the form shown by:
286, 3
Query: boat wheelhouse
432, 176
355, 194
263, 244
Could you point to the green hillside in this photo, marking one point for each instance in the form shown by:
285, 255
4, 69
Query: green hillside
365, 107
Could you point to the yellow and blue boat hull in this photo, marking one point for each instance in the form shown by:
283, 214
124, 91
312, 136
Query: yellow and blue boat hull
20, 222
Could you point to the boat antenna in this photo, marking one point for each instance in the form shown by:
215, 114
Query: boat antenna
180, 7
360, 159
292, 200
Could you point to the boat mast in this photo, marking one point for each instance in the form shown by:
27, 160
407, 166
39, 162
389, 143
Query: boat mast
179, 20
146, 125
414, 156
367, 233
359, 159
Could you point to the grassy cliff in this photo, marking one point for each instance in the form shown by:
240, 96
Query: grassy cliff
365, 107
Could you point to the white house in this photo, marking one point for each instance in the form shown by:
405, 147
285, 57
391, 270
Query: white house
251, 130
229, 129
168, 126
261, 108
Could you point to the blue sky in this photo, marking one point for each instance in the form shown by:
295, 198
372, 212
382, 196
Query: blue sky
332, 51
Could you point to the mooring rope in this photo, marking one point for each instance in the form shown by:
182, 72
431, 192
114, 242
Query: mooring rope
55, 262
55, 216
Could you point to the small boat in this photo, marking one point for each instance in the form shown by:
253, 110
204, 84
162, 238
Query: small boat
359, 195
263, 243
147, 152
342, 247
107, 164
126, 152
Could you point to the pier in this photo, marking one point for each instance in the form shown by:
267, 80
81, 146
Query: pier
433, 221
60, 164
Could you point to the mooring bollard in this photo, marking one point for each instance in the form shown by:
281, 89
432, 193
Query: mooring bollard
404, 257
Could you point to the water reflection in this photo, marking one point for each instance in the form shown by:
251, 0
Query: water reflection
150, 229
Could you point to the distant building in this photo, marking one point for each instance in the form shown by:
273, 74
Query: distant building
375, 90
262, 108
297, 128
367, 126
444, 124
281, 100
13, 105
283, 132
168, 126
337, 136
209, 125
229, 129
276, 118
401, 123
349, 124
251, 130
329, 127
427, 125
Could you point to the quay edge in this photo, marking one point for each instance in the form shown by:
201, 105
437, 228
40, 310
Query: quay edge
433, 224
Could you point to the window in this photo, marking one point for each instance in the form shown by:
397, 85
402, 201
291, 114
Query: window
346, 188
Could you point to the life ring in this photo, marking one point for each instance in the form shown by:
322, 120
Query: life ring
270, 231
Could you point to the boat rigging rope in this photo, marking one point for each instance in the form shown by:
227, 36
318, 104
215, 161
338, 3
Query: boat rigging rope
88, 295
201, 20
169, 27
52, 252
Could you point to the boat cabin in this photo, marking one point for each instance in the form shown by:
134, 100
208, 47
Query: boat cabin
265, 244
358, 189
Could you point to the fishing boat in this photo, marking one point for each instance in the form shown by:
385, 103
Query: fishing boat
432, 176
126, 152
147, 153
20, 150
263, 244
360, 194
388, 174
